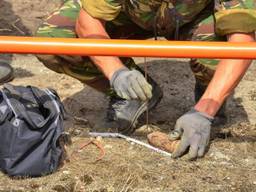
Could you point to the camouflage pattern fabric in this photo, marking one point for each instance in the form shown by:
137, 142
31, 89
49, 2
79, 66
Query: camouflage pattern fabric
235, 16
148, 14
204, 69
62, 24
136, 21
168, 15
208, 29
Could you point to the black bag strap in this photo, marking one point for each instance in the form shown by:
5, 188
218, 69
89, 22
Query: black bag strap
44, 100
3, 116
54, 94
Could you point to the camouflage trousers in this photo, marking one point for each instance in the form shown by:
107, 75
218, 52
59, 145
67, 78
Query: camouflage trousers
62, 24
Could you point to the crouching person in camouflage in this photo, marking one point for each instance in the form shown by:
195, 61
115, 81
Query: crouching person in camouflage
205, 20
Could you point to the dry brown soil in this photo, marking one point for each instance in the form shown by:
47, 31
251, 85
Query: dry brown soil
229, 165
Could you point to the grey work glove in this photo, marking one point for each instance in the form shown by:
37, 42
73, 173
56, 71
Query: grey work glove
194, 129
131, 84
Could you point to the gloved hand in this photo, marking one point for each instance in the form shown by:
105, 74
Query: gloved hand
194, 129
131, 84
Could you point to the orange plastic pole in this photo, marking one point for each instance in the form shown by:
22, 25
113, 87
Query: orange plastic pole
131, 48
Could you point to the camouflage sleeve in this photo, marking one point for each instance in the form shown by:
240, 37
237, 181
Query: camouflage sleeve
102, 9
235, 16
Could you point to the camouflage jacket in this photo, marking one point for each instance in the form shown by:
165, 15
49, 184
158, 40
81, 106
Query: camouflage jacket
166, 15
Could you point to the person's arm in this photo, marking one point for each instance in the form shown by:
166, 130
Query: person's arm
128, 84
194, 127
89, 27
228, 74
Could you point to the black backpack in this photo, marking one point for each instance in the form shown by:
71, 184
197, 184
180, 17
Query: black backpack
31, 128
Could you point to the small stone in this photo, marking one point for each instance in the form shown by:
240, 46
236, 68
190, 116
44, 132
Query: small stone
219, 186
66, 172
34, 185
147, 128
250, 161
218, 155
82, 187
108, 146
131, 148
111, 188
254, 182
99, 138
77, 132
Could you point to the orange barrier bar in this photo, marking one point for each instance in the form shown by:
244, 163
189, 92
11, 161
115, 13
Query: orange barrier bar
127, 48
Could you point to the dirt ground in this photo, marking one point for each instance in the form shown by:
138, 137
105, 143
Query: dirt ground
229, 165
